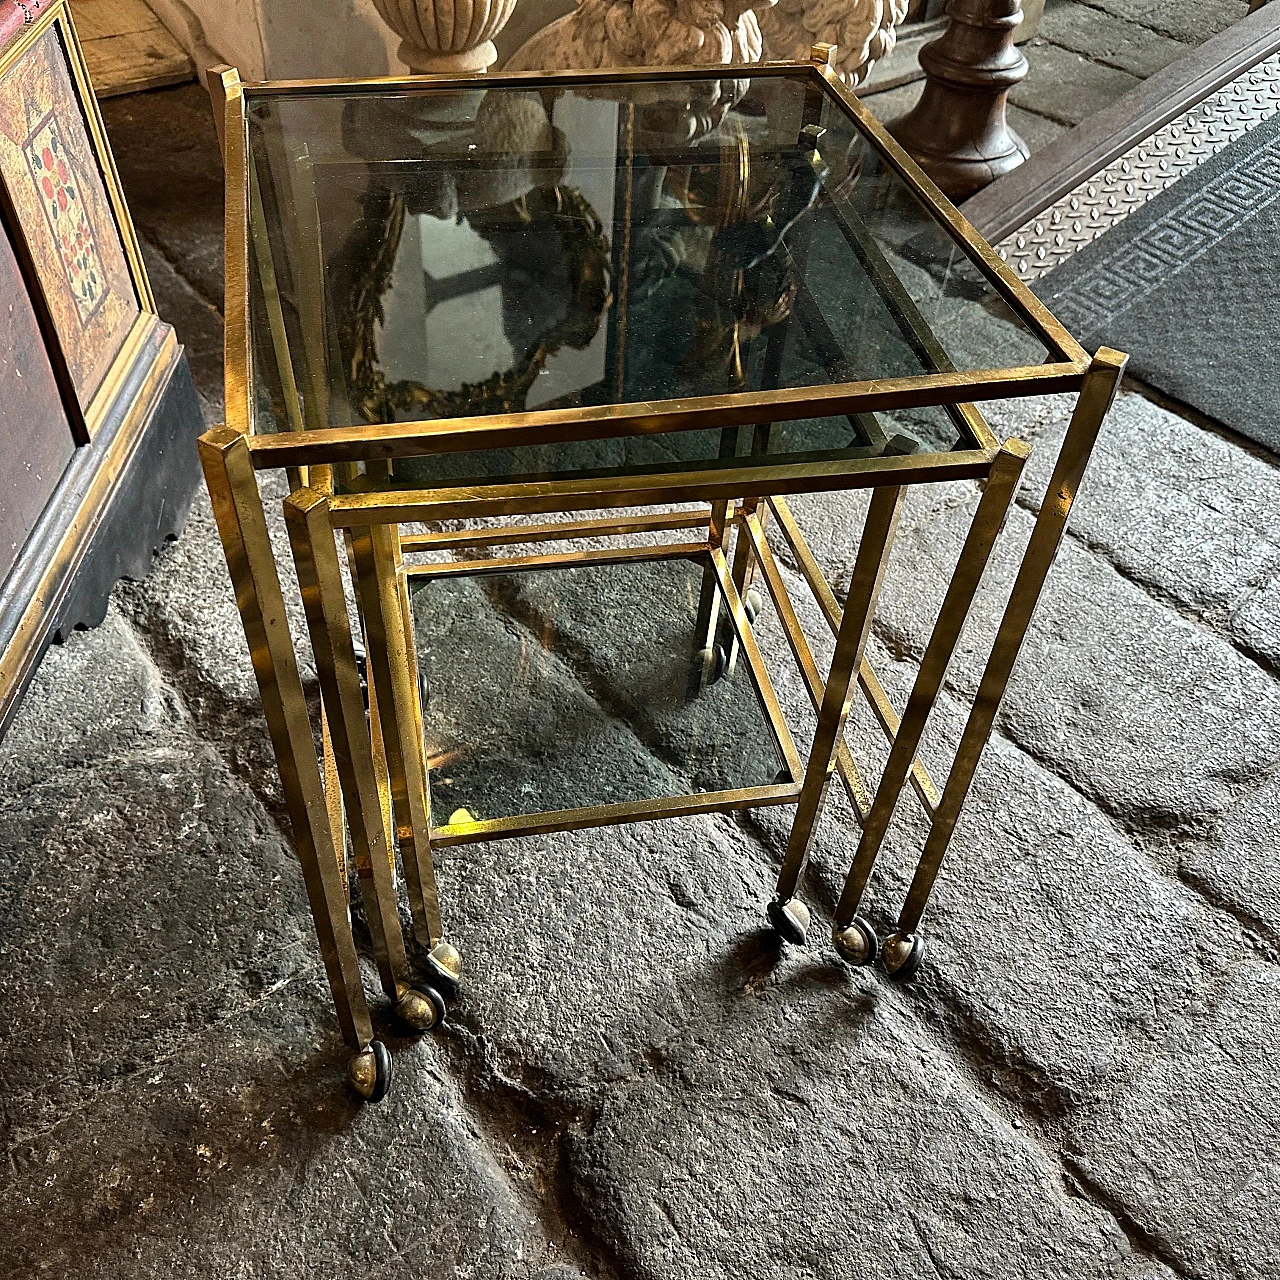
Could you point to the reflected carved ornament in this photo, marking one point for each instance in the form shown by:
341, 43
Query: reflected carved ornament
863, 31
627, 33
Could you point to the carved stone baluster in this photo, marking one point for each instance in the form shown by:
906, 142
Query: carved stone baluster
958, 132
449, 36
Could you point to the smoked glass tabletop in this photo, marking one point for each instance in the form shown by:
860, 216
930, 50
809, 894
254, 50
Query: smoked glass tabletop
585, 685
425, 254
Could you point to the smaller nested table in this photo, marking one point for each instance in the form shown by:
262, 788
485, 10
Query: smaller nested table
541, 357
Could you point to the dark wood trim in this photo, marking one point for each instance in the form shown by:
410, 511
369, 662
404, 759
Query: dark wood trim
902, 66
1015, 199
64, 575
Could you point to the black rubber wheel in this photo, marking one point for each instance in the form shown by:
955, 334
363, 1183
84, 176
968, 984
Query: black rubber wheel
424, 691
382, 1062
713, 662
752, 603
437, 1003
789, 920
905, 968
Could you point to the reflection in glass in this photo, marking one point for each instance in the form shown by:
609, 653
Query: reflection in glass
563, 688
498, 250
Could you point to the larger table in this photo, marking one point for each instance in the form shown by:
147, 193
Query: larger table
669, 299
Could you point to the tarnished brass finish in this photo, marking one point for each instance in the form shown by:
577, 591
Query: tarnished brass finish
712, 485
557, 531
362, 1072
376, 766
393, 683
471, 830
444, 963
369, 1072
1006, 471
851, 642
1096, 398
320, 581
242, 525
505, 564
420, 1010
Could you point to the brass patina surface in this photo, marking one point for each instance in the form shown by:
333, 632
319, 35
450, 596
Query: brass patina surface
350, 505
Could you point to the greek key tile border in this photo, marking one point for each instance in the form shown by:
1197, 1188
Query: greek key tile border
1126, 184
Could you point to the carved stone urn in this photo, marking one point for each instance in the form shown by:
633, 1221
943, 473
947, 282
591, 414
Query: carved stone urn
446, 36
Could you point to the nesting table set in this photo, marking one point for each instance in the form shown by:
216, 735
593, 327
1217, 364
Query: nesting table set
622, 315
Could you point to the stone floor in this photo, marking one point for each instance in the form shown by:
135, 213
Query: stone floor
1083, 1082
1088, 53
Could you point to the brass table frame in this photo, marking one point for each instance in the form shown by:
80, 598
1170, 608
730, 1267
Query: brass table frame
369, 778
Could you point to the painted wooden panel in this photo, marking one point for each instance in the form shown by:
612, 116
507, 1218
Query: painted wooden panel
35, 436
54, 182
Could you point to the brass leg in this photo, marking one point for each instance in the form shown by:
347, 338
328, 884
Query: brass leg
744, 561
708, 664
393, 683
320, 578
744, 572
854, 784
851, 643
333, 801
902, 949
242, 525
857, 945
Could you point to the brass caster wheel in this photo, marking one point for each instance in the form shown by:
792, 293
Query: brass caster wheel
712, 661
421, 1010
857, 943
752, 603
790, 920
369, 1072
444, 963
903, 954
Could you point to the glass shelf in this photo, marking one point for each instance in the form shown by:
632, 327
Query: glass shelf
421, 255
574, 687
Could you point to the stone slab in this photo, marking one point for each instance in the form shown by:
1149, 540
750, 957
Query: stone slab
1156, 718
1178, 508
1237, 865
1193, 21
186, 609
237, 1156
94, 697
1043, 911
1035, 130
629, 632
512, 728
588, 952
1065, 86
1040, 895
171, 170
198, 326
1103, 38
1188, 1153
810, 1130
145, 893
